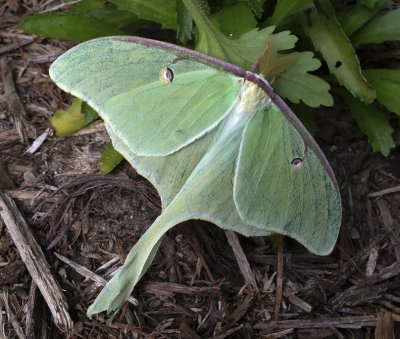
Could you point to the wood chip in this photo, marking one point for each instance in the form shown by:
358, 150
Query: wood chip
295, 300
242, 261
385, 326
169, 289
35, 261
340, 322
372, 260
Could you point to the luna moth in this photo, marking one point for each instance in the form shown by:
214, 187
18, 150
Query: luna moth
214, 139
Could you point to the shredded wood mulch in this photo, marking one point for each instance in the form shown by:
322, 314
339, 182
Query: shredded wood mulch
65, 229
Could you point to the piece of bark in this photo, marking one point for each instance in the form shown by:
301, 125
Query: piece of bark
239, 312
295, 300
28, 195
385, 326
372, 261
36, 315
242, 261
187, 332
340, 322
35, 261
228, 333
169, 289
5, 181
10, 273
14, 103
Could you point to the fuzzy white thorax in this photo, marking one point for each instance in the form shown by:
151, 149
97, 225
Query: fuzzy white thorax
251, 98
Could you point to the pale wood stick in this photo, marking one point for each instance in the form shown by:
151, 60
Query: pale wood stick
35, 261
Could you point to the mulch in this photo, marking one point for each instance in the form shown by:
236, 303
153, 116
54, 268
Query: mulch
65, 229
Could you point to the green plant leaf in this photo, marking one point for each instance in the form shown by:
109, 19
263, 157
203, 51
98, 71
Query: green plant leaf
370, 3
84, 6
257, 7
110, 158
285, 8
241, 51
371, 121
160, 11
329, 39
70, 120
297, 84
356, 17
89, 114
72, 27
386, 82
114, 17
184, 21
235, 20
383, 28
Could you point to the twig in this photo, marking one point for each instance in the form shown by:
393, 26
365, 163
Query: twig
14, 104
372, 261
228, 332
169, 289
39, 141
340, 322
242, 261
14, 45
35, 261
208, 273
11, 316
89, 274
390, 227
279, 278
97, 126
393, 189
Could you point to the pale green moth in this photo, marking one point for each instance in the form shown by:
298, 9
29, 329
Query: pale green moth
215, 140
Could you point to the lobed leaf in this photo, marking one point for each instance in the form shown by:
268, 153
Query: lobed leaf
235, 20
241, 51
328, 38
257, 7
297, 84
372, 122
